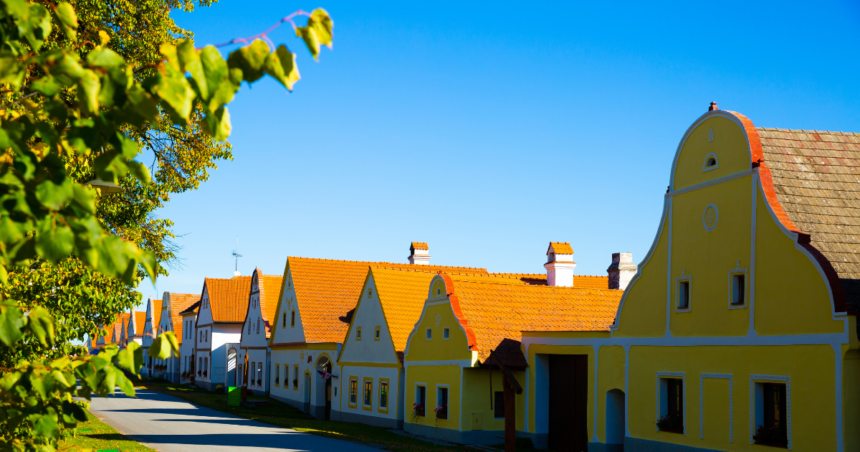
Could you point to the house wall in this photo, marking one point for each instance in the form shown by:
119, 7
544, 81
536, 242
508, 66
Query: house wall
392, 417
186, 349
255, 344
291, 356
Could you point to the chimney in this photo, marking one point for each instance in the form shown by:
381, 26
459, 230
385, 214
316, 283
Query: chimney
559, 264
621, 271
419, 253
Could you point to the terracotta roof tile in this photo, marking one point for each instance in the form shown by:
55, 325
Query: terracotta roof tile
327, 290
539, 279
561, 247
270, 290
178, 303
156, 315
419, 246
139, 322
497, 311
228, 298
816, 177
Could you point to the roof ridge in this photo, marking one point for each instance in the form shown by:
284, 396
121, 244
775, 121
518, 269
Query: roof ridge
832, 132
538, 286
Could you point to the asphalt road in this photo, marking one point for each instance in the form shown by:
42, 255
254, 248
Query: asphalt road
169, 424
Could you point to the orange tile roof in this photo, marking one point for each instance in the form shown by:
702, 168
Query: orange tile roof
561, 247
579, 281
420, 246
270, 290
228, 298
156, 314
402, 292
178, 303
497, 311
139, 322
327, 291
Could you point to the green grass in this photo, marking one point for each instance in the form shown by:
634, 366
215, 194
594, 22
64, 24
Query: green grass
95, 434
283, 415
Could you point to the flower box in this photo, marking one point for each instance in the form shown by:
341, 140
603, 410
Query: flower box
672, 423
441, 412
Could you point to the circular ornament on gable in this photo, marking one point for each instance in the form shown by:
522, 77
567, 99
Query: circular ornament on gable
438, 319
710, 217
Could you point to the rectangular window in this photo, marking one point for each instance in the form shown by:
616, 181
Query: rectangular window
296, 377
429, 334
353, 391
738, 289
672, 405
446, 333
292, 319
499, 405
358, 334
683, 294
284, 320
286, 375
383, 395
260, 374
772, 417
277, 374
441, 403
368, 392
420, 400
253, 371
376, 334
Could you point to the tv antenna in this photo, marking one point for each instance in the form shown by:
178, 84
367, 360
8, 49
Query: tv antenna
237, 256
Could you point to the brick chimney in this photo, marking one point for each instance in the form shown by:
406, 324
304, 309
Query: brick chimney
419, 253
621, 271
559, 264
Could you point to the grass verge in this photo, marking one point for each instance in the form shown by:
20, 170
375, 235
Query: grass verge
283, 415
95, 434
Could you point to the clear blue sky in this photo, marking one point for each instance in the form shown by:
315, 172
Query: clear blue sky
490, 129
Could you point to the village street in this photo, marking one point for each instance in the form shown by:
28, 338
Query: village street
169, 424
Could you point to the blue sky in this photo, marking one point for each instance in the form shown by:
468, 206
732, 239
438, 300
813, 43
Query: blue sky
489, 129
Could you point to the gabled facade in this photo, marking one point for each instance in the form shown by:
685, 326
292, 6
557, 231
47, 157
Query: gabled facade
171, 320
453, 390
134, 328
186, 348
370, 361
739, 332
219, 327
313, 315
254, 350
150, 331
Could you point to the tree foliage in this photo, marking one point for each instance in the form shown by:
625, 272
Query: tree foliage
77, 107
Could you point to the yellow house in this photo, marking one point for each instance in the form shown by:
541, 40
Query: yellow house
464, 317
738, 332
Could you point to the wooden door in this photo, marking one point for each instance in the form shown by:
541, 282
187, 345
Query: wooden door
568, 403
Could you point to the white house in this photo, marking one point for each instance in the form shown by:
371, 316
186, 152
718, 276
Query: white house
254, 347
186, 348
150, 331
172, 304
134, 328
219, 329
371, 360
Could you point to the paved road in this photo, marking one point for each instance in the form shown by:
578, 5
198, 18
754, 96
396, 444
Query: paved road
168, 424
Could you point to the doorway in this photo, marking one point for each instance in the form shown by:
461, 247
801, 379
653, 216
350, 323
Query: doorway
568, 403
615, 420
323, 366
307, 392
231, 368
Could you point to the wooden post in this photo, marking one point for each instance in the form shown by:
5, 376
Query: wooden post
245, 379
510, 417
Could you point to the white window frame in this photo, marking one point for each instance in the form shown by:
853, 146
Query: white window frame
757, 404
661, 400
422, 385
705, 168
702, 404
732, 273
678, 281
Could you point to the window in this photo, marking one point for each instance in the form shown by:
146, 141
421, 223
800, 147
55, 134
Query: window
499, 405
672, 405
772, 418
739, 289
258, 326
369, 293
711, 162
260, 374
683, 295
420, 400
446, 333
296, 377
205, 366
429, 334
286, 375
441, 402
368, 392
206, 336
253, 373
293, 319
376, 334
284, 321
383, 395
358, 334
249, 327
277, 374
353, 391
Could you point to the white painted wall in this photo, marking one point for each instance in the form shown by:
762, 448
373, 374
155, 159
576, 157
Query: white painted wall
186, 350
368, 316
300, 357
360, 373
288, 304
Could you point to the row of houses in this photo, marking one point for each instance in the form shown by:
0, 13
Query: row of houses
736, 332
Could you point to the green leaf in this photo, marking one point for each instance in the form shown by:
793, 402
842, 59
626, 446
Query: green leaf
131, 357
124, 384
46, 426
54, 196
189, 59
88, 92
164, 345
11, 70
139, 171
250, 60
47, 85
176, 92
73, 413
217, 125
105, 58
12, 323
41, 324
281, 65
322, 25
38, 27
309, 35
54, 242
67, 15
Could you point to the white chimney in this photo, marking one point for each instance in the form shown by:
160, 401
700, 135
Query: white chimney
419, 253
560, 265
621, 271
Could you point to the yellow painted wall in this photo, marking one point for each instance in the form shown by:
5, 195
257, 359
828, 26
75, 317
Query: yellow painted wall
644, 311
540, 349
456, 347
476, 397
790, 296
813, 395
708, 256
433, 376
850, 396
729, 145
610, 371
716, 413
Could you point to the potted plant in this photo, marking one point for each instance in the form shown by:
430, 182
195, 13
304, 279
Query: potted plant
672, 423
775, 435
417, 410
199, 372
441, 412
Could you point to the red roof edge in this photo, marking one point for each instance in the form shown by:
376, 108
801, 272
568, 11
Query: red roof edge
840, 301
455, 306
